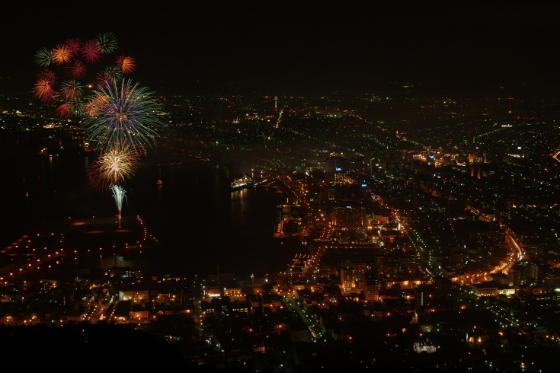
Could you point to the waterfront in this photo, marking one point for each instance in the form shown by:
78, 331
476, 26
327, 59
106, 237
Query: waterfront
199, 220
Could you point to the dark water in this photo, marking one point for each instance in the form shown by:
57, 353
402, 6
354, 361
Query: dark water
199, 221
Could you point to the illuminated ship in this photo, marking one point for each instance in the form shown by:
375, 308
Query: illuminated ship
241, 183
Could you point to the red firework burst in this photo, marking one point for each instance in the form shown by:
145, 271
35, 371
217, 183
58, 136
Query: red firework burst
126, 64
95, 179
76, 70
48, 75
62, 54
91, 51
43, 90
75, 46
69, 109
64, 110
102, 79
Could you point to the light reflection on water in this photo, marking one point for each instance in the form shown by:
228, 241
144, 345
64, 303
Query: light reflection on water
198, 219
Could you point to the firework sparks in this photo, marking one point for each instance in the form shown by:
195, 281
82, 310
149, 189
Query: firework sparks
107, 76
117, 164
90, 109
47, 75
43, 90
113, 167
118, 194
95, 105
120, 118
95, 178
71, 90
128, 116
91, 51
64, 110
76, 70
107, 42
62, 54
126, 64
75, 46
44, 57
68, 109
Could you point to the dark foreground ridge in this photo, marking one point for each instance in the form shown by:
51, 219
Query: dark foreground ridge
71, 346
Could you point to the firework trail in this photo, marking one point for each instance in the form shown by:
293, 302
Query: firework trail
126, 64
128, 115
118, 194
91, 51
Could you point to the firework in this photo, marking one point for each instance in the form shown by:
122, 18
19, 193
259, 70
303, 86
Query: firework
95, 179
129, 115
107, 42
44, 57
43, 90
91, 51
47, 75
69, 109
117, 164
62, 54
556, 154
71, 90
76, 70
90, 109
113, 167
75, 46
107, 76
118, 194
126, 64
95, 105
64, 110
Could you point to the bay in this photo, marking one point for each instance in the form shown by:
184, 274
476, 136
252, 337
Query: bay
200, 222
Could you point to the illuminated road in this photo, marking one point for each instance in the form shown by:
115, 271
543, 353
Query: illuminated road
292, 304
515, 251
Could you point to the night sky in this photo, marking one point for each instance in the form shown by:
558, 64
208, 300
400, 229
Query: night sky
277, 46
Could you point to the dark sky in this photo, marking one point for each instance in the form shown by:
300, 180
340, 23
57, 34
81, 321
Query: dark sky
290, 46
